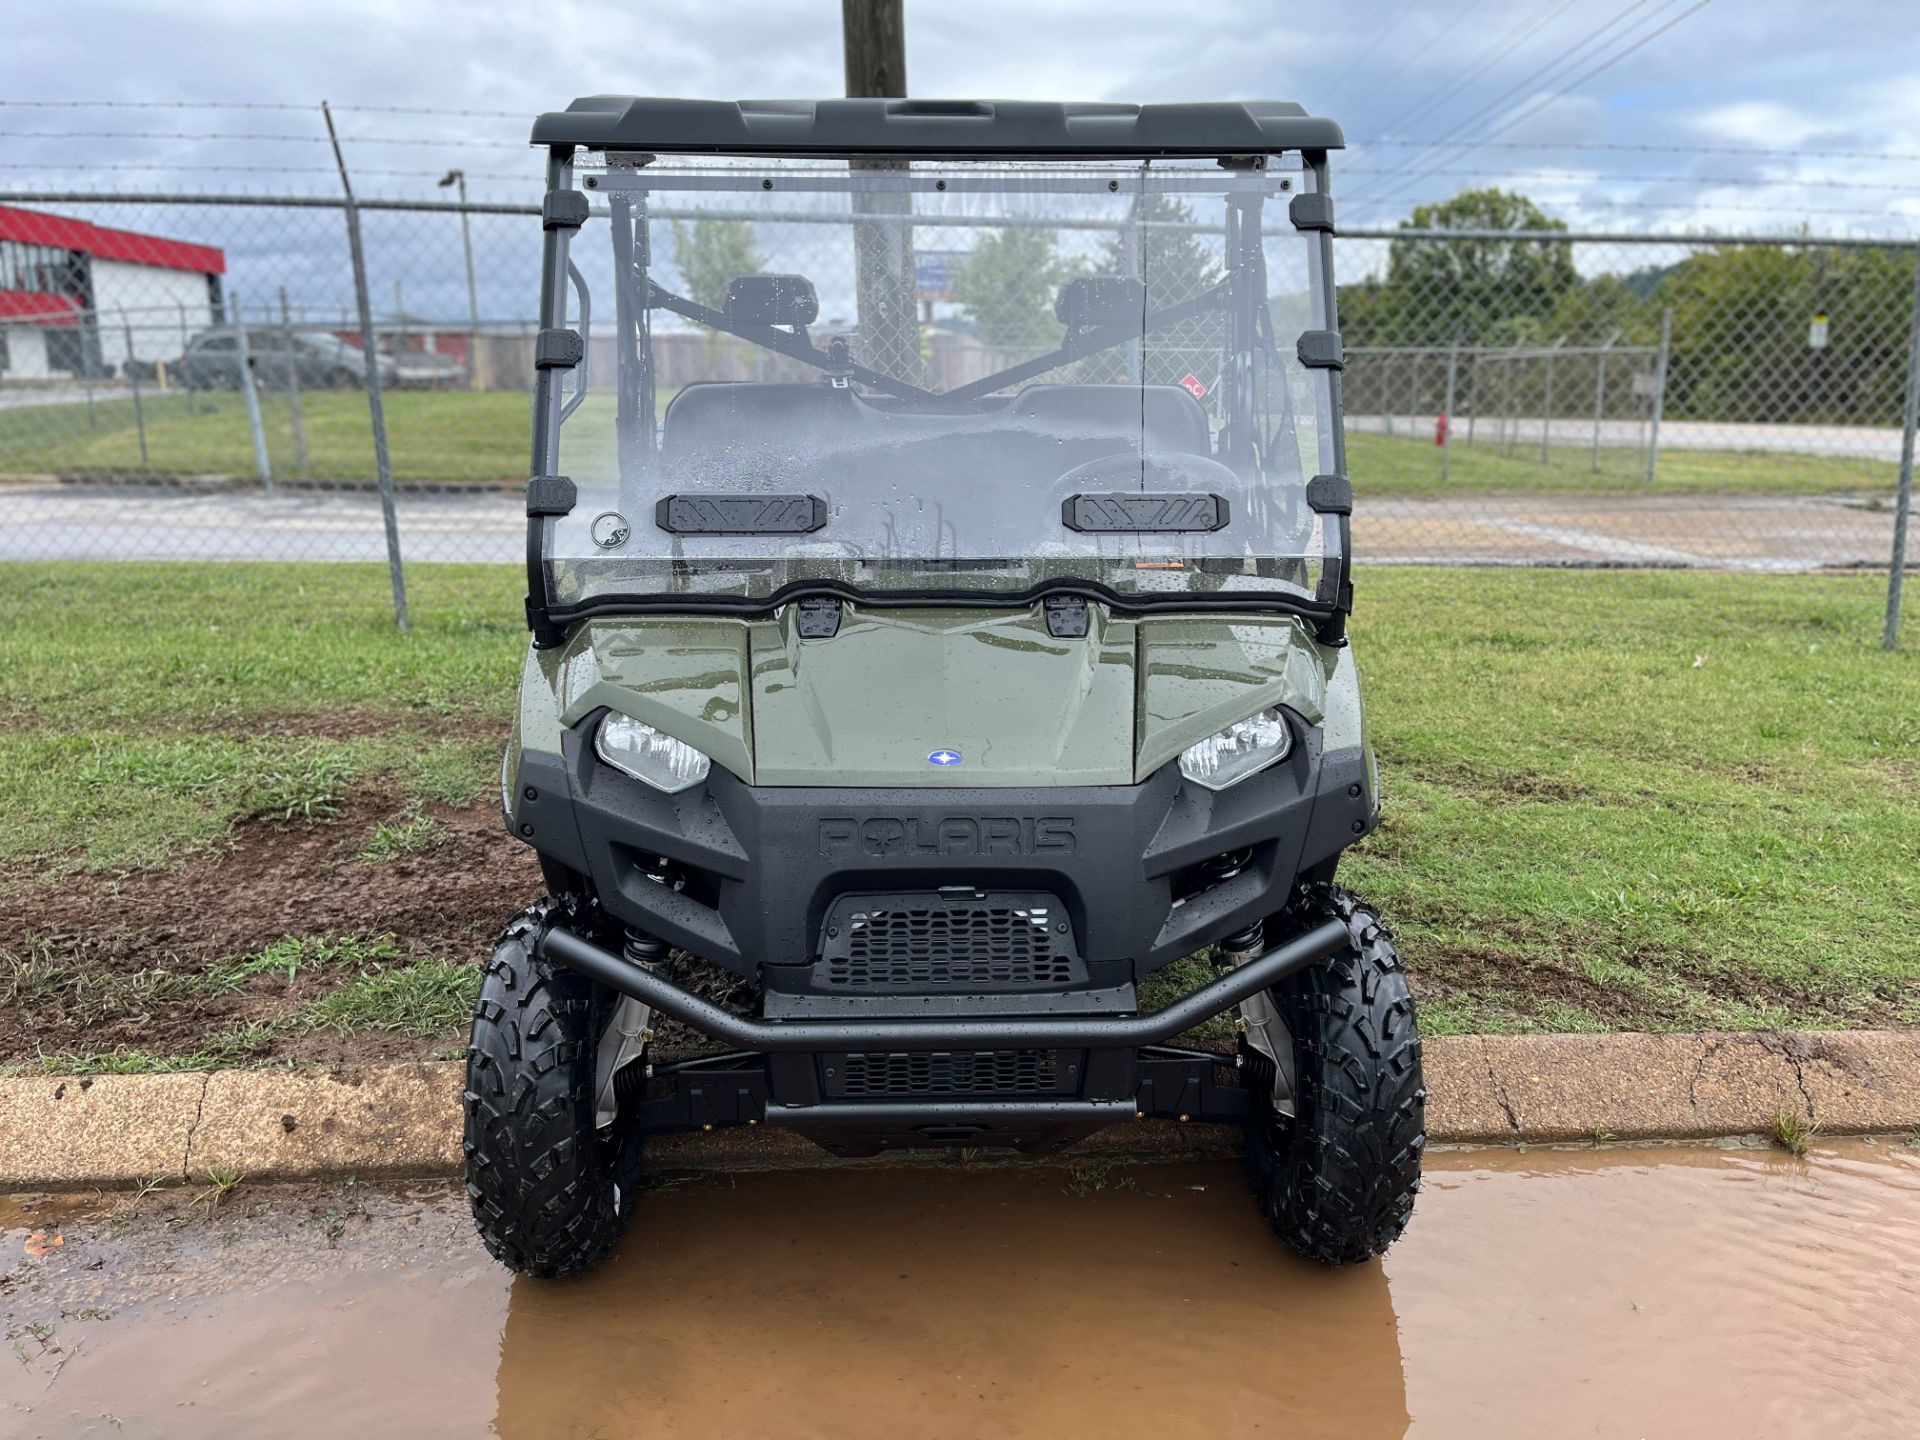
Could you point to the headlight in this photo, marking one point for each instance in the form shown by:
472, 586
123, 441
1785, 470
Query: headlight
644, 753
1240, 750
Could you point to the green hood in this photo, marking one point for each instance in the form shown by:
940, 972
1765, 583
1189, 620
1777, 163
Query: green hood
870, 705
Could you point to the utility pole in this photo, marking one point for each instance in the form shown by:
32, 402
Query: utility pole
874, 33
459, 177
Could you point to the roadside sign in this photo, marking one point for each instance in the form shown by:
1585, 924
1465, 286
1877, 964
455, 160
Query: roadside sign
934, 272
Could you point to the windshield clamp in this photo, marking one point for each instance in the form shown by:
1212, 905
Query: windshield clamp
818, 618
551, 495
1330, 495
1066, 616
563, 210
558, 350
1321, 350
1311, 210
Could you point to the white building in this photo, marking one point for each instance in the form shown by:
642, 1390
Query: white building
81, 299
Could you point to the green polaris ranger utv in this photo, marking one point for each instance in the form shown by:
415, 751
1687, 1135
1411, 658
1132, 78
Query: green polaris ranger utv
938, 573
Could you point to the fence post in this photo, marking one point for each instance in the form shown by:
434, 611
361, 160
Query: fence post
133, 378
1507, 427
1600, 397
1659, 393
1903, 499
1473, 408
293, 387
251, 391
1546, 405
1446, 436
370, 357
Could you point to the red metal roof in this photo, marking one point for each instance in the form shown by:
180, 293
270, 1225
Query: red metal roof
31, 227
39, 309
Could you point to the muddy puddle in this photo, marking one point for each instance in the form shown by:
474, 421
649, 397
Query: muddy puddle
1610, 1292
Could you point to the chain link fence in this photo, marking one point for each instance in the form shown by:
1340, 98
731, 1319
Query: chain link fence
182, 376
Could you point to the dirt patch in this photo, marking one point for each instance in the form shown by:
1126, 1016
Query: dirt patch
327, 725
1491, 976
1497, 784
272, 880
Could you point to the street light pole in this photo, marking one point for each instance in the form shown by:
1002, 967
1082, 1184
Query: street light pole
459, 177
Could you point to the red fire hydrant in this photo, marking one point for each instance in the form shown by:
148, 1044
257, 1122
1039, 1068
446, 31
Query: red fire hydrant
1440, 429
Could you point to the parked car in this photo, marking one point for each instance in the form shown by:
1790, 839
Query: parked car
420, 370
319, 359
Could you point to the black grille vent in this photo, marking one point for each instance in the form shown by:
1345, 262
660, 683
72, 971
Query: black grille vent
942, 1072
937, 944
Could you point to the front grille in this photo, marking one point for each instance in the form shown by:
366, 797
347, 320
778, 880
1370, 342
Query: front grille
928, 942
943, 1072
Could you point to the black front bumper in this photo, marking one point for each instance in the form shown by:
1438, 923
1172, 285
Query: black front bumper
1094, 1069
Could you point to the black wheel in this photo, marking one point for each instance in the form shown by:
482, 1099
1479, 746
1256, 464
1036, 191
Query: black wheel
550, 1194
1337, 1178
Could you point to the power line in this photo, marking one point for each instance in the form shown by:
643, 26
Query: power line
1566, 56
1493, 55
1384, 82
1644, 39
1606, 64
1379, 39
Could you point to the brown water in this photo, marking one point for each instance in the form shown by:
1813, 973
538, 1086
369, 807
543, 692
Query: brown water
1611, 1292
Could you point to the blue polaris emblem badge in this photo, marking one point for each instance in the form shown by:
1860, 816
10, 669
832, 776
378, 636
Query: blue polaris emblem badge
944, 757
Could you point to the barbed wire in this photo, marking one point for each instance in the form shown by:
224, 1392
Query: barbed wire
1634, 147
1665, 207
1637, 178
258, 139
281, 105
163, 167
156, 105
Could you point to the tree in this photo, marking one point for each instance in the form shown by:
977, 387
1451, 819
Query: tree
1007, 286
1176, 264
709, 253
1605, 308
1740, 318
1475, 289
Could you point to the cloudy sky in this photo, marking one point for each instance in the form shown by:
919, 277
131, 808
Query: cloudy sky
1657, 115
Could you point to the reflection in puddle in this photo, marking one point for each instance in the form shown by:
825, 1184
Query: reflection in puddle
1696, 1292
984, 1302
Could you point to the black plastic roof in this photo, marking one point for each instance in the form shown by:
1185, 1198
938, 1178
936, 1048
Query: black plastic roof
933, 127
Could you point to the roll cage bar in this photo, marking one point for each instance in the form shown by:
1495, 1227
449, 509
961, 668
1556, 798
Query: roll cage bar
1241, 296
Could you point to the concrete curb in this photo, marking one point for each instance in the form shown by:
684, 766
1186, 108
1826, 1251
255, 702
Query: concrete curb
405, 1119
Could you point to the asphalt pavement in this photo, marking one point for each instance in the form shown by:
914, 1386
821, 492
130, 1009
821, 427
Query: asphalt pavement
188, 522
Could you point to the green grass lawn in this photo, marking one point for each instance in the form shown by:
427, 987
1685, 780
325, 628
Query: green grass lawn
461, 437
1618, 800
1383, 465
431, 435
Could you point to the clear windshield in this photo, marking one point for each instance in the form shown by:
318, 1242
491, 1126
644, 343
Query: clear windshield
942, 377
